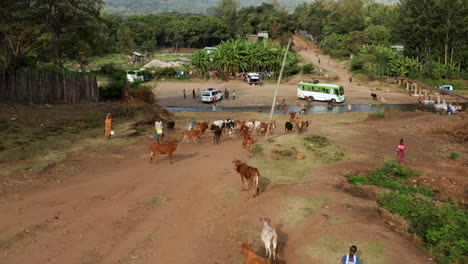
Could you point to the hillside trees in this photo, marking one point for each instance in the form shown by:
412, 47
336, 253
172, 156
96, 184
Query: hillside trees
226, 10
49, 31
434, 32
171, 29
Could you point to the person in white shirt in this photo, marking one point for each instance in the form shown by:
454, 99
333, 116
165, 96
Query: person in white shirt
158, 126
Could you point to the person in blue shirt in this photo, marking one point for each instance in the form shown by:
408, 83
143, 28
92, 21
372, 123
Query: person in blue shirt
351, 258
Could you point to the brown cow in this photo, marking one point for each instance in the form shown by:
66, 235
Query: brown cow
191, 134
300, 124
251, 257
240, 125
264, 126
292, 116
249, 176
285, 109
163, 148
202, 126
248, 144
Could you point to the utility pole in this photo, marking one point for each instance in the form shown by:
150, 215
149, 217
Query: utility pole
277, 86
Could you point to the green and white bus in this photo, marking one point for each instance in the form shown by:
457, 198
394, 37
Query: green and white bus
321, 92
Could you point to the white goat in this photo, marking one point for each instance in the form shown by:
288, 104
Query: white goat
269, 237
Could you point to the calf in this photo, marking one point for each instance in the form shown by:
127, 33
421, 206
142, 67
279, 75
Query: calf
240, 125
292, 116
202, 126
263, 128
245, 135
374, 96
163, 148
217, 133
171, 126
272, 126
269, 238
309, 99
250, 125
257, 126
300, 124
219, 123
250, 256
191, 134
248, 144
249, 176
288, 127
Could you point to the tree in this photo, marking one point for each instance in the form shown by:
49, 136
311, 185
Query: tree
227, 11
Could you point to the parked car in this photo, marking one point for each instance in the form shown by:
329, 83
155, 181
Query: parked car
208, 96
253, 78
446, 87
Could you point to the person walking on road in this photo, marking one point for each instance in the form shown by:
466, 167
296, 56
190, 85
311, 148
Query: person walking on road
193, 93
233, 95
185, 95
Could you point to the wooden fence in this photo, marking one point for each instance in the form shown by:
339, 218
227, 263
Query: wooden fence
48, 87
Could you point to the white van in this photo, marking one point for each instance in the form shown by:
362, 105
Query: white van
208, 96
253, 78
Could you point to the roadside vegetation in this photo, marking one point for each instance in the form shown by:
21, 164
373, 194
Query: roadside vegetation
440, 225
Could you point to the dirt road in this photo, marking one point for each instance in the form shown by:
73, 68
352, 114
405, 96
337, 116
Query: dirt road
123, 209
169, 93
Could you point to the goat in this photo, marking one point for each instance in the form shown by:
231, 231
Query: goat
269, 238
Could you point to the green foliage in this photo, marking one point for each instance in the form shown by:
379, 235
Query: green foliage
441, 225
166, 71
50, 31
318, 141
454, 155
359, 180
307, 68
113, 89
240, 55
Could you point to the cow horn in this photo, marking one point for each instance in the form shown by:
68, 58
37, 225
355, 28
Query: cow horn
239, 242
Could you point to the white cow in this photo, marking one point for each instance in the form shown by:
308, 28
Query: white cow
269, 238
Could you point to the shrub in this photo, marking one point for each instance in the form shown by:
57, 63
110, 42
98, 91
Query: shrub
440, 225
108, 69
307, 68
113, 89
359, 180
454, 155
166, 71
292, 69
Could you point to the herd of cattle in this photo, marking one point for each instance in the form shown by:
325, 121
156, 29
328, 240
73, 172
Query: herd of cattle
249, 175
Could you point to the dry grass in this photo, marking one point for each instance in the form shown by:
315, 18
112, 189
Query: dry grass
279, 168
296, 209
330, 251
53, 150
225, 192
